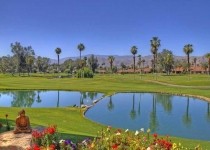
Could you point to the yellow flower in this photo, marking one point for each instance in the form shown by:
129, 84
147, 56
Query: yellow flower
92, 145
174, 145
148, 130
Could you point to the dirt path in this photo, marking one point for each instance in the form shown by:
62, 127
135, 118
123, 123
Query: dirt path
11, 141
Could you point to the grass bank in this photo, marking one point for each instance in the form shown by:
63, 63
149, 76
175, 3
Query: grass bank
71, 122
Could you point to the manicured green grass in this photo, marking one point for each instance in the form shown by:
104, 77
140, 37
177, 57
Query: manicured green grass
71, 122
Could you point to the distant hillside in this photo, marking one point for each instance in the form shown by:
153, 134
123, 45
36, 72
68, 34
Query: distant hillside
127, 59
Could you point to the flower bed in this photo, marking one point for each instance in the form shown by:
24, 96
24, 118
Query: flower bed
105, 140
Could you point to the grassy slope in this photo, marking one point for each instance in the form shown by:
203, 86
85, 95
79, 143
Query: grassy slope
70, 120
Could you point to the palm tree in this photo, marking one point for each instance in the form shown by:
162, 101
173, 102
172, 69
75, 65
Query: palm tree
155, 44
134, 52
208, 57
58, 52
188, 49
81, 48
111, 60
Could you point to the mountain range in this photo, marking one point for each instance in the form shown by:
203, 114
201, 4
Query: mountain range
128, 59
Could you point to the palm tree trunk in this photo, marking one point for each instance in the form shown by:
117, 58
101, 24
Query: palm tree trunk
188, 62
58, 64
209, 66
134, 63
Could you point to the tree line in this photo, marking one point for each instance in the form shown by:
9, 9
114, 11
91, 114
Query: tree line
24, 60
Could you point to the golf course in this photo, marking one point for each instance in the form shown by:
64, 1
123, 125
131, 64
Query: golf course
71, 121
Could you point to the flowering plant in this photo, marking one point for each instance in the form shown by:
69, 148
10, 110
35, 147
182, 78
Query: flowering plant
45, 138
108, 139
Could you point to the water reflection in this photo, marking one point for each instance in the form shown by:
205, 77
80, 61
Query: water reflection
165, 101
133, 111
208, 112
186, 117
47, 98
23, 98
38, 99
110, 105
153, 124
162, 113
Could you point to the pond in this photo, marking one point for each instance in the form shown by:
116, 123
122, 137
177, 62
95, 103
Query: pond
47, 98
164, 114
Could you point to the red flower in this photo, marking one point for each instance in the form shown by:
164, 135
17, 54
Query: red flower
115, 146
36, 147
155, 135
52, 147
36, 134
50, 130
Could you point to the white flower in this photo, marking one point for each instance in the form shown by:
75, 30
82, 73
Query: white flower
126, 130
142, 129
118, 133
61, 141
149, 148
137, 132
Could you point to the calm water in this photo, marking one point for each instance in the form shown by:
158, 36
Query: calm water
46, 98
164, 114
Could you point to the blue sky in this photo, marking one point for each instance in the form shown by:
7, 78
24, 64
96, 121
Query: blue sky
106, 27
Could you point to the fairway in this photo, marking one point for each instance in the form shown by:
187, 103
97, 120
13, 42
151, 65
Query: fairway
71, 122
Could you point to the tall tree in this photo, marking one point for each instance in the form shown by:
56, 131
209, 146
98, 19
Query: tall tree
143, 61
93, 63
58, 52
134, 52
166, 60
29, 63
139, 62
155, 44
111, 60
195, 61
188, 49
21, 53
81, 48
208, 57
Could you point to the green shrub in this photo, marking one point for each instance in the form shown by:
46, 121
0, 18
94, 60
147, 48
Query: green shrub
85, 73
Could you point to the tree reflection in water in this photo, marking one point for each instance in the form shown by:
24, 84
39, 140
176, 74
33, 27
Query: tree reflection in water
38, 100
153, 123
139, 108
186, 117
166, 101
23, 98
110, 105
133, 111
208, 112
58, 101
